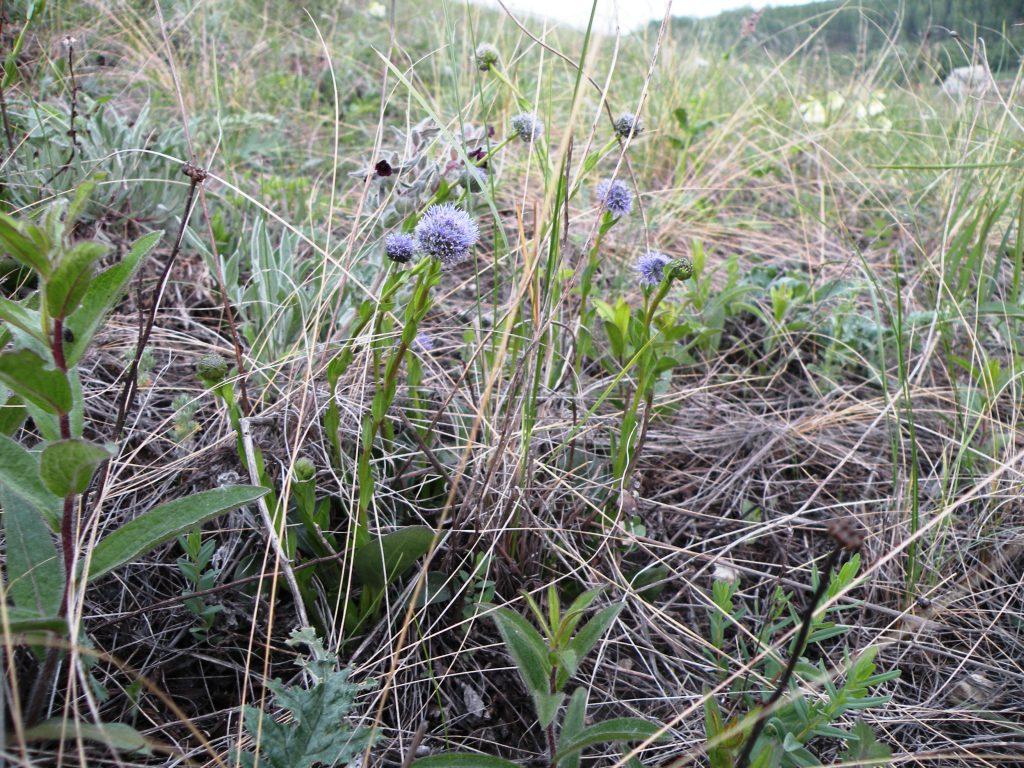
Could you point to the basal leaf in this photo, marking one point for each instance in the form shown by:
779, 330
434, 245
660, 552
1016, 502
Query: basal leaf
464, 760
165, 522
380, 561
19, 621
118, 736
617, 729
572, 725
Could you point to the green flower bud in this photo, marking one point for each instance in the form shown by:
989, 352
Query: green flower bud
305, 469
679, 269
486, 56
211, 370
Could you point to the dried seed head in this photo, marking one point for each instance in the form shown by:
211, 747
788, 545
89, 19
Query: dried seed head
628, 125
847, 533
195, 174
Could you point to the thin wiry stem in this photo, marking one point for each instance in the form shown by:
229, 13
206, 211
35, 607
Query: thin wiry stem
806, 620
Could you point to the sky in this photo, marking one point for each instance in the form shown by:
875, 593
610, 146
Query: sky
630, 13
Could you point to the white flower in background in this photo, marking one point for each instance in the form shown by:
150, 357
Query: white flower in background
867, 108
377, 11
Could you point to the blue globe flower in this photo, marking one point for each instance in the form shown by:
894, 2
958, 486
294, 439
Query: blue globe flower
400, 247
447, 233
650, 268
615, 197
423, 342
527, 127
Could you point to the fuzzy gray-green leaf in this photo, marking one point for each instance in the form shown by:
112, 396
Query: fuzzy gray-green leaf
526, 647
66, 466
28, 375
166, 522
35, 573
71, 278
104, 292
464, 760
615, 730
19, 471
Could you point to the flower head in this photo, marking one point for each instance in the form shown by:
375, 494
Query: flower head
486, 56
615, 197
400, 247
423, 342
655, 266
447, 233
628, 125
528, 127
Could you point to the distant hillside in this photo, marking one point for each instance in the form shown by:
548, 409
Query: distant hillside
1000, 23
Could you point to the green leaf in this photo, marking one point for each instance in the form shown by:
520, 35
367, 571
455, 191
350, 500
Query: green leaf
68, 283
319, 732
865, 749
166, 522
21, 317
66, 466
34, 569
19, 471
547, 705
617, 729
527, 649
380, 561
585, 640
28, 375
12, 413
464, 760
572, 725
118, 736
21, 247
103, 294
17, 623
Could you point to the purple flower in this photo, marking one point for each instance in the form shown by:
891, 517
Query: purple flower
650, 268
423, 342
615, 197
400, 247
447, 233
527, 127
628, 125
